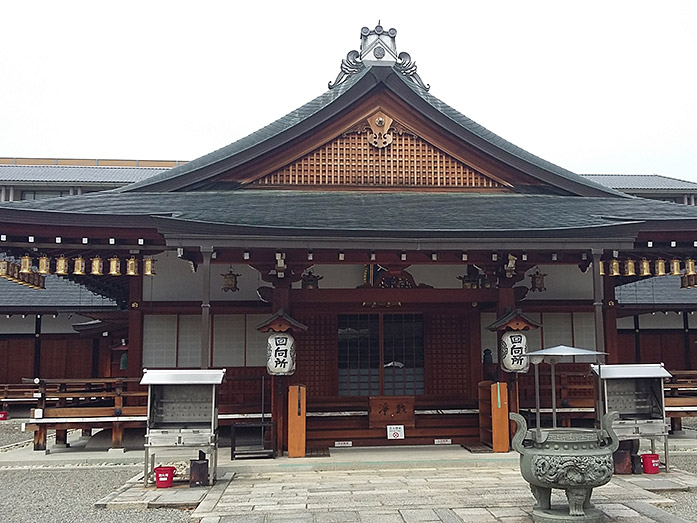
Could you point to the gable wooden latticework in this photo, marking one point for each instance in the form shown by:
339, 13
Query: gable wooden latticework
351, 161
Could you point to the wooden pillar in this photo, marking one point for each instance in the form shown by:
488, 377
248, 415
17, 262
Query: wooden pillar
135, 327
37, 346
279, 384
505, 305
41, 432
206, 307
610, 322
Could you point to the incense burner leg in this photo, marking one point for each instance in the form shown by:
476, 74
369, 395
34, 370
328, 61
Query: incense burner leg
543, 496
577, 497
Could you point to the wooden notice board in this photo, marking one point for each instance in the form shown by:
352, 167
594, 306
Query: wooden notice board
391, 410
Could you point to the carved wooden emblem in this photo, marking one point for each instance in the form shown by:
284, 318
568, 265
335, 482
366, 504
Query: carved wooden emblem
380, 126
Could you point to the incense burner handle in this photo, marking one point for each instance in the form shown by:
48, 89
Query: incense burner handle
608, 433
520, 433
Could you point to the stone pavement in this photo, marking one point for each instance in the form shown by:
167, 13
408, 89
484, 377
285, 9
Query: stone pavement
377, 485
392, 485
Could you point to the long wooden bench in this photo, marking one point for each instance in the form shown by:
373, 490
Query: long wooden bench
680, 397
85, 404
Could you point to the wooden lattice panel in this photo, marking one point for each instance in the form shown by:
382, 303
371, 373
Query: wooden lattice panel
350, 161
447, 354
316, 354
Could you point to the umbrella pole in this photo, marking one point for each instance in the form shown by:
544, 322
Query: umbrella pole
554, 398
537, 401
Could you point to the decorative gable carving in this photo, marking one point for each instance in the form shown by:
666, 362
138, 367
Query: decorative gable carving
371, 155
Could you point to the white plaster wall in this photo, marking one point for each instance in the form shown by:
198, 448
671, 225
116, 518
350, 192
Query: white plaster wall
563, 282
174, 280
438, 276
660, 320
337, 276
63, 324
625, 323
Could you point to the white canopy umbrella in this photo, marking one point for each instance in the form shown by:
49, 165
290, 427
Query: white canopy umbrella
554, 355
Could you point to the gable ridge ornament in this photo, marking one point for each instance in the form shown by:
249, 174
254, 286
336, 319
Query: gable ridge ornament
378, 48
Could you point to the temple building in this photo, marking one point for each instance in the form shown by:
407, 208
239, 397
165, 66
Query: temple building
384, 232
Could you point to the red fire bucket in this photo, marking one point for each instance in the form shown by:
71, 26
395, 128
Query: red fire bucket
650, 463
164, 476
3, 414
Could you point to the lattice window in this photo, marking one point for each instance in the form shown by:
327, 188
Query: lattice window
351, 161
316, 357
447, 354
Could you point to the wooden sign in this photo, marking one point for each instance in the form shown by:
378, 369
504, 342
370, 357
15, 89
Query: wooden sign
391, 410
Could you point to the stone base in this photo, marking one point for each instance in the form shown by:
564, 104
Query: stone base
556, 515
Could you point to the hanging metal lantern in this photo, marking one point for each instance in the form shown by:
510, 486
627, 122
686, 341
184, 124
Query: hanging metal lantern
629, 267
310, 280
230, 281
114, 266
537, 281
675, 267
79, 266
614, 267
61, 265
149, 266
690, 267
4, 269
132, 266
645, 268
96, 266
44, 265
601, 268
660, 267
25, 267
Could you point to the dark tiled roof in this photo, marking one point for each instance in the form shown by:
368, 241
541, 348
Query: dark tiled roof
75, 174
319, 211
642, 182
488, 136
59, 294
315, 106
659, 290
269, 131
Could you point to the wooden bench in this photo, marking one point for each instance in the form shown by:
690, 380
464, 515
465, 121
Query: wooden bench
84, 404
680, 397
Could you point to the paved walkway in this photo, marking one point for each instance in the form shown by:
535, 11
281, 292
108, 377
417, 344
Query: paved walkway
379, 485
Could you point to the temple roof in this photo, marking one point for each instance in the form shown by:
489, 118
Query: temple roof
341, 212
365, 74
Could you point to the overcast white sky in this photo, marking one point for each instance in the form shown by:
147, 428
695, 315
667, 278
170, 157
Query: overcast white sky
594, 86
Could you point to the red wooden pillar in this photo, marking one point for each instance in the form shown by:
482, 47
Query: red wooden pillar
610, 322
505, 305
135, 327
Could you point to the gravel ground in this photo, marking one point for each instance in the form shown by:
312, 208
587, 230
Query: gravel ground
11, 432
68, 495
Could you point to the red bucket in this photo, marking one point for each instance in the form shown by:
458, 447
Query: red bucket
164, 476
650, 463
3, 414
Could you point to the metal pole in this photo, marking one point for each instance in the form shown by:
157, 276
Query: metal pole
554, 396
206, 307
537, 400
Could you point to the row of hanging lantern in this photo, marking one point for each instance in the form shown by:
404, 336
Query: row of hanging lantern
95, 266
12, 271
661, 267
